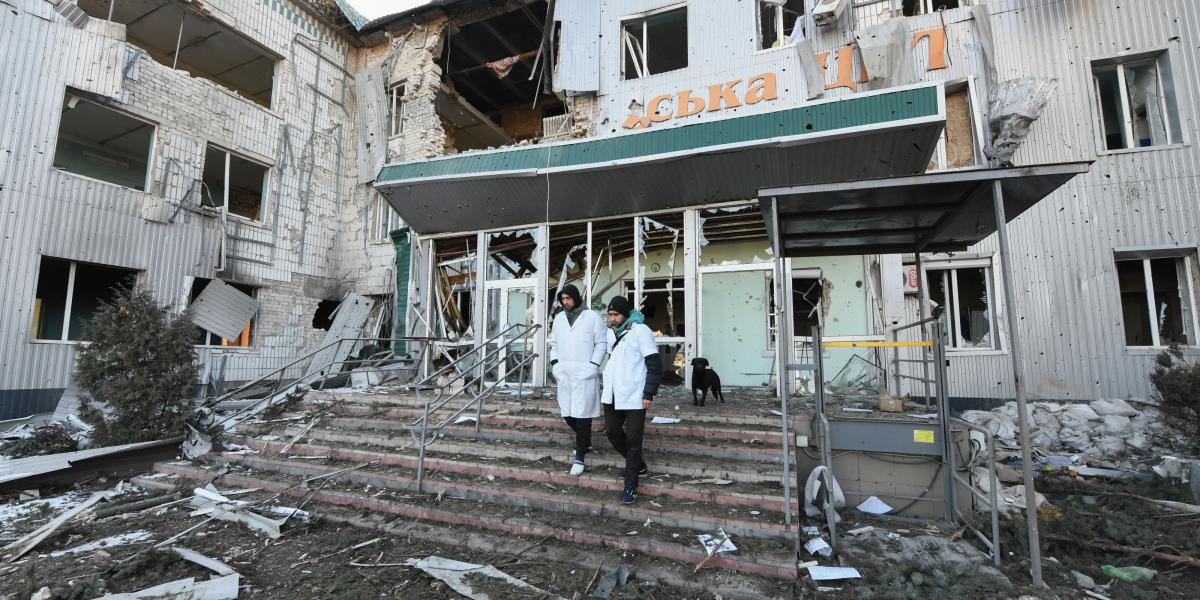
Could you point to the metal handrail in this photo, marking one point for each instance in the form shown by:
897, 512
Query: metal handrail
454, 364
272, 396
992, 499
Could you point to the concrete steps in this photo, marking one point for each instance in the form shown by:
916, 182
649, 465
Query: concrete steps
713, 471
757, 556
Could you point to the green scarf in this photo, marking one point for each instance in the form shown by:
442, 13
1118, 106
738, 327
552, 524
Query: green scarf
573, 314
635, 316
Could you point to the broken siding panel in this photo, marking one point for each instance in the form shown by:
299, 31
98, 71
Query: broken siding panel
371, 84
223, 309
578, 68
101, 64
351, 317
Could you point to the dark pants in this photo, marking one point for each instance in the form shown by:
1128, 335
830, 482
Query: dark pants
583, 435
625, 430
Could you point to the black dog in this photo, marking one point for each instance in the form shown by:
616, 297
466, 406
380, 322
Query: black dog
704, 379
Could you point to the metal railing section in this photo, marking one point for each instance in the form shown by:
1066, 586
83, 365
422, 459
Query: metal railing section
991, 500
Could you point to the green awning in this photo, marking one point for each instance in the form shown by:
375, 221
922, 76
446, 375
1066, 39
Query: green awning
864, 136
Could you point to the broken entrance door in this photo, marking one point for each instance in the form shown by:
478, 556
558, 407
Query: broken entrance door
734, 336
510, 303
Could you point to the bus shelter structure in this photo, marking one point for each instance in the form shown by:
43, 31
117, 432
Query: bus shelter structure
936, 212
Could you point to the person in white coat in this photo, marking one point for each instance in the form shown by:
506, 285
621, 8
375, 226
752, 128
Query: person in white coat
577, 347
631, 378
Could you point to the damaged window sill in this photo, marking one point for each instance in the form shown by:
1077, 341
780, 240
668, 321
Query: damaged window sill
955, 353
1142, 149
1156, 350
60, 342
230, 349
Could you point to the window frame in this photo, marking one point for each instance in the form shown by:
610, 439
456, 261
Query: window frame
1191, 260
950, 268
779, 14
395, 114
940, 159
644, 17
64, 336
151, 156
382, 214
268, 180
1172, 119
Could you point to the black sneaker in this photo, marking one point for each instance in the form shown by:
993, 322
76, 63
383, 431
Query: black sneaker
629, 495
645, 471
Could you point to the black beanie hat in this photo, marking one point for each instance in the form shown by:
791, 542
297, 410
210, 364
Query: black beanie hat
620, 304
573, 292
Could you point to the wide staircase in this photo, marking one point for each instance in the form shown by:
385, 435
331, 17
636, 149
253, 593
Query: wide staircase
718, 470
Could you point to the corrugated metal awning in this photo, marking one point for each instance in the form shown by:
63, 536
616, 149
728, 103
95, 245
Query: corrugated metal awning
936, 212
871, 135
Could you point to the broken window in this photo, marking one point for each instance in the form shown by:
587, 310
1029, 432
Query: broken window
175, 34
1137, 102
235, 181
455, 262
806, 306
98, 142
208, 338
69, 293
912, 8
963, 293
1158, 299
654, 43
384, 219
512, 255
776, 20
395, 117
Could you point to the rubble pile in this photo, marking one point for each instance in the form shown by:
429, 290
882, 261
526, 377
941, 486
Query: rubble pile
63, 435
1108, 427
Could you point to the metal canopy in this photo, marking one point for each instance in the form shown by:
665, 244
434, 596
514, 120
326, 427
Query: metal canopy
882, 134
937, 212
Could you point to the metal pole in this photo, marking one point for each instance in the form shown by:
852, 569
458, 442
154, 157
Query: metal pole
923, 313
421, 450
112, 4
782, 358
1010, 300
174, 62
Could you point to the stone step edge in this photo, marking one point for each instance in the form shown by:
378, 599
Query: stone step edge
514, 497
560, 454
749, 565
548, 406
545, 411
544, 422
648, 487
765, 452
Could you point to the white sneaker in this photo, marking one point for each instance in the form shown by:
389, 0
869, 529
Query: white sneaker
577, 469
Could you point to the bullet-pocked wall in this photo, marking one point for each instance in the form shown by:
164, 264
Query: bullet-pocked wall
55, 209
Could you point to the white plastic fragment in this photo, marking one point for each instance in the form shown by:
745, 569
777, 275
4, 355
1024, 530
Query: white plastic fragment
874, 506
719, 542
211, 564
220, 588
664, 421
819, 573
455, 573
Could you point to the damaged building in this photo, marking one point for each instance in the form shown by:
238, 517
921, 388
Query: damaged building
517, 146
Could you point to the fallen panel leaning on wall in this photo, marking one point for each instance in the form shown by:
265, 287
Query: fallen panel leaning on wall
351, 317
223, 309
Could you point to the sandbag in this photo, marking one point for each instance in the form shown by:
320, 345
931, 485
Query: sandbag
1116, 425
1114, 406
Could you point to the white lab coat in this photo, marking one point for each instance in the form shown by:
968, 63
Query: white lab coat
578, 348
625, 373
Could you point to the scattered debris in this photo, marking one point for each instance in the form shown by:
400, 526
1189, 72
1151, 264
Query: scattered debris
819, 573
455, 575
874, 506
665, 421
818, 547
1129, 574
211, 564
718, 543
712, 480
27, 543
220, 588
464, 420
116, 540
208, 501
613, 579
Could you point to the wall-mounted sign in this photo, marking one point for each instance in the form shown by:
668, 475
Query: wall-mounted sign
911, 279
846, 55
720, 96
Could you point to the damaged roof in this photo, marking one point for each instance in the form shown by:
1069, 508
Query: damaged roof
366, 14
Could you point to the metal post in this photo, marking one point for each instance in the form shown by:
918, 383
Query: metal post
112, 4
923, 313
993, 498
421, 450
174, 62
782, 358
1010, 300
948, 449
